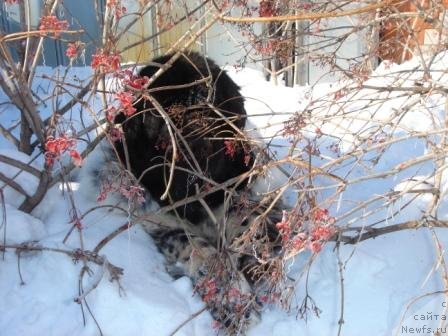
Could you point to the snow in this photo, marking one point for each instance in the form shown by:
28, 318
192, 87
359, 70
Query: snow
26, 180
385, 279
21, 227
46, 300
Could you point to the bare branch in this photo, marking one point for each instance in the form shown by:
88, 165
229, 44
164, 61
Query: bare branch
309, 16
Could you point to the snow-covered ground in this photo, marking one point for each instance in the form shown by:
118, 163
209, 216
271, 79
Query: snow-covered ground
387, 281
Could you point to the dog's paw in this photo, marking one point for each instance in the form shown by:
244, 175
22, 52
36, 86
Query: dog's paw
231, 301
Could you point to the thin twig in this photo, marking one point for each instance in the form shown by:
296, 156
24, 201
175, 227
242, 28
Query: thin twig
376, 232
192, 317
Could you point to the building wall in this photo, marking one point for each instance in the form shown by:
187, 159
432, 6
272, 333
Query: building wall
78, 17
320, 51
401, 37
222, 42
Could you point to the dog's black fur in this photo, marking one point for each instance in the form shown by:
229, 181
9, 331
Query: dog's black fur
206, 111
206, 116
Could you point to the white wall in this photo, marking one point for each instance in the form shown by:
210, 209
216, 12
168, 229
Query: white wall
13, 12
225, 44
352, 47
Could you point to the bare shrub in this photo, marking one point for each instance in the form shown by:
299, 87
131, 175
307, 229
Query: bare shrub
337, 140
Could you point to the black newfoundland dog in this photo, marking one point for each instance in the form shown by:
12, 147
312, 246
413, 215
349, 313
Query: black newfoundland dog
186, 146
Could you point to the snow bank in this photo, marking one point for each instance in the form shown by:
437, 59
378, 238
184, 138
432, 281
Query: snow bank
382, 276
